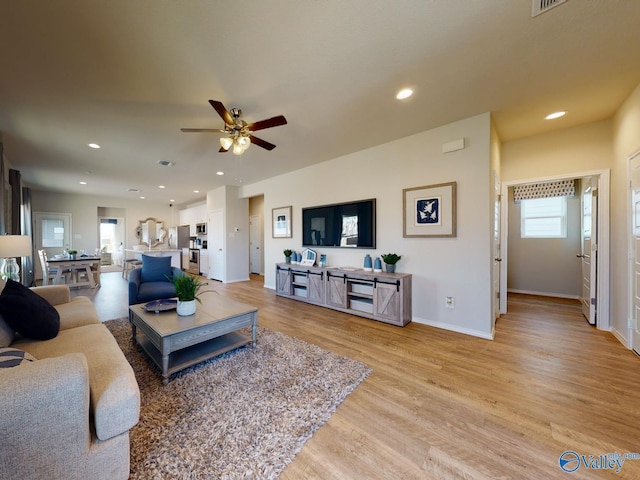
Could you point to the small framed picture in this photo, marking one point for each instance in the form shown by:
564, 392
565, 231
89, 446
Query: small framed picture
281, 218
430, 211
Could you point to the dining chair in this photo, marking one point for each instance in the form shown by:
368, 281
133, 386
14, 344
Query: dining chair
49, 273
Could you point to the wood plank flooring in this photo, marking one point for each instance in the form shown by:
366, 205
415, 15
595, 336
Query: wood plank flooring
442, 405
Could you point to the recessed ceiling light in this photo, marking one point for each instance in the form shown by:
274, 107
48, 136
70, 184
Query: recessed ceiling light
141, 198
219, 173
94, 145
172, 200
404, 93
160, 186
83, 183
553, 115
196, 191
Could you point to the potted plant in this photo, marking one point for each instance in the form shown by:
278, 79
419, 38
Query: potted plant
390, 260
72, 254
187, 288
287, 255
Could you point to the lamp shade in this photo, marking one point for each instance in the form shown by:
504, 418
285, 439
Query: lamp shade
15, 246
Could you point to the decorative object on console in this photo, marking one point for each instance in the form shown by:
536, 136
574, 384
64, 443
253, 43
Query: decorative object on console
377, 265
281, 218
12, 246
367, 263
429, 211
390, 260
187, 288
287, 255
308, 257
323, 260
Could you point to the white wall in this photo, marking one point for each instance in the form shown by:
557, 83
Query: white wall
458, 267
626, 128
84, 214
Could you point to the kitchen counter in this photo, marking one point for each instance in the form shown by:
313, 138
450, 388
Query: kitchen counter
174, 253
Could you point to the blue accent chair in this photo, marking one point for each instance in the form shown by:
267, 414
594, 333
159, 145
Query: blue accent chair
150, 282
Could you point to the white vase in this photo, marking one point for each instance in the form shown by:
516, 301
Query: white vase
186, 308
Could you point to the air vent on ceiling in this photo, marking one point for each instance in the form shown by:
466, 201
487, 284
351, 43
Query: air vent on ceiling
541, 6
134, 190
166, 163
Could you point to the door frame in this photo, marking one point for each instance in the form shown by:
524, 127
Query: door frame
603, 321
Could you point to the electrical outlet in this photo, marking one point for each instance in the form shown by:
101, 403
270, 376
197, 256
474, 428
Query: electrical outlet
449, 302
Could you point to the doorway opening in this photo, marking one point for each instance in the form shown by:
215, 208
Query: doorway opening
111, 225
599, 243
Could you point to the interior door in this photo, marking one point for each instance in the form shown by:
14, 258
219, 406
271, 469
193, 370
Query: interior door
255, 244
52, 232
634, 175
589, 250
215, 245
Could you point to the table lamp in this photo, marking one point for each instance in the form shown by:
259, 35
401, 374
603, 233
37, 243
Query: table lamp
12, 246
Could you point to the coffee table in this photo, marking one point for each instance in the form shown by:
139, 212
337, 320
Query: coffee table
176, 342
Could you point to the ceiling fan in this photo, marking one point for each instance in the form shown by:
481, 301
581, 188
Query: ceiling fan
240, 133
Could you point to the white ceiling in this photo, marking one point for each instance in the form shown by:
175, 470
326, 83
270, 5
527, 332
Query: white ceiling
129, 74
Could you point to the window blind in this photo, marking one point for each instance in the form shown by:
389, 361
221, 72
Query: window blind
561, 188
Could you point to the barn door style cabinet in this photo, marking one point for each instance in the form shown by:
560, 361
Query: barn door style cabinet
385, 297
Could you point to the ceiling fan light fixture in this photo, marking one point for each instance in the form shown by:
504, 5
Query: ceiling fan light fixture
238, 149
226, 142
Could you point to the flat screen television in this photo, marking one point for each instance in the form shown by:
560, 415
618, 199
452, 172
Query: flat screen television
350, 225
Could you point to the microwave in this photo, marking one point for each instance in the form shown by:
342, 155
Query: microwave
201, 228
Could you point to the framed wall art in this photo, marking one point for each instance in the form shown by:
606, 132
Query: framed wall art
281, 218
429, 211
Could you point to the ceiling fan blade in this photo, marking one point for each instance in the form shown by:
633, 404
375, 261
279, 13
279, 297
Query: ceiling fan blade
268, 123
216, 130
219, 107
262, 143
222, 150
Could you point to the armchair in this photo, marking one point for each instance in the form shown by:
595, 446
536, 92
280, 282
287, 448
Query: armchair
151, 281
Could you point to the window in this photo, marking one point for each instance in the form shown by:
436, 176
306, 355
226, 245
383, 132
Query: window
544, 218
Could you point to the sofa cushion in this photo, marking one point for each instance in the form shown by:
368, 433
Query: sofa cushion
7, 333
12, 357
155, 269
28, 313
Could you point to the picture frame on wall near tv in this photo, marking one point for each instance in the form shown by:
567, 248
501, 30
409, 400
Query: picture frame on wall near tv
348, 225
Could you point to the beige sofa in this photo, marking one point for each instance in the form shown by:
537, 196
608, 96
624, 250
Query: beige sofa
67, 415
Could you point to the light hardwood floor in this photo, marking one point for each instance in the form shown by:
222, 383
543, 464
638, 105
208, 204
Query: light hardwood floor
442, 405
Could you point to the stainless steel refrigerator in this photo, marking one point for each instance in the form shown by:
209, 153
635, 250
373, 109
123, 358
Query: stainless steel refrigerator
179, 239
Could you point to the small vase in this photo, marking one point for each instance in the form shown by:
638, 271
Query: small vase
377, 265
287, 259
367, 263
186, 308
390, 268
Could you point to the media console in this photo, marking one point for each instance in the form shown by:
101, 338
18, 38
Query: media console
385, 297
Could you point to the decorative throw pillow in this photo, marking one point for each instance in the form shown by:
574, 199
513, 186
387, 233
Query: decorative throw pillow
28, 313
7, 334
155, 269
12, 357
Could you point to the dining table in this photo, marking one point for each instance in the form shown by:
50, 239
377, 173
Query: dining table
85, 271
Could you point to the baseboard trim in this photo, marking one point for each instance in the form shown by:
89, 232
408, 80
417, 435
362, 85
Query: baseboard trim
456, 328
543, 294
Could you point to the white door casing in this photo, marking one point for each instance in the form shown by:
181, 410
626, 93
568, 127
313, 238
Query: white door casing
634, 254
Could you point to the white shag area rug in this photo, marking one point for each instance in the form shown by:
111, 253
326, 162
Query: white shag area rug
242, 415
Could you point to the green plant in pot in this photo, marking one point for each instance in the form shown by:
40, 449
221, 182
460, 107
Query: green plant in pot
187, 290
287, 254
390, 260
72, 254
